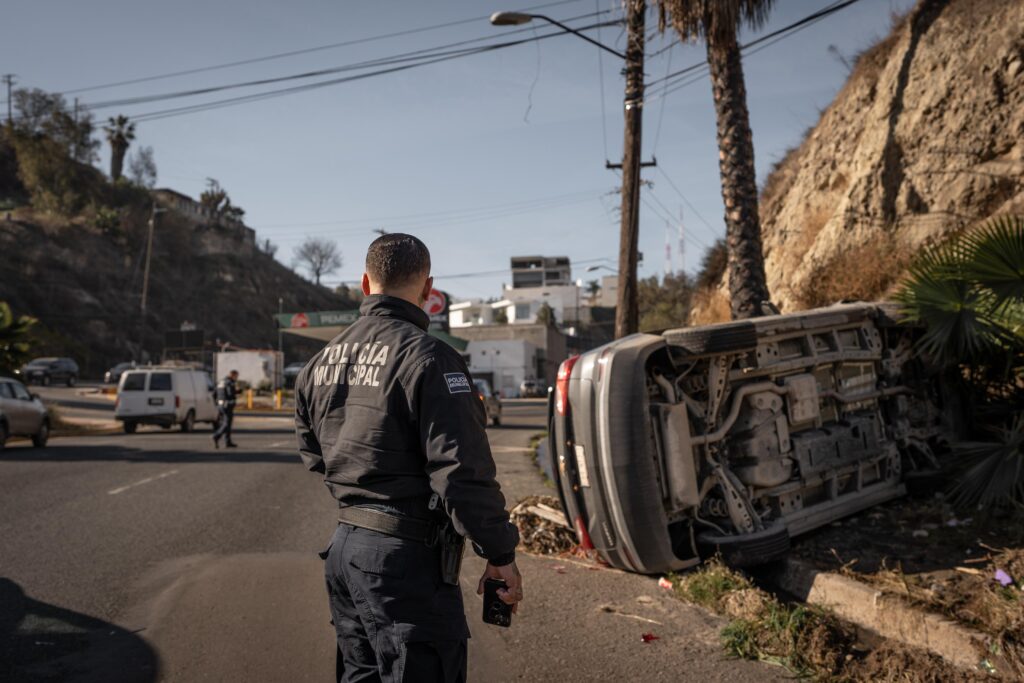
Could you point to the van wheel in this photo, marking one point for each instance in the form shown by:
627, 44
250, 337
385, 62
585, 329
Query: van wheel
40, 438
724, 338
189, 423
130, 427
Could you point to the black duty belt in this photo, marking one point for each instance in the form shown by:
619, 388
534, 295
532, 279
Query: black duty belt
390, 524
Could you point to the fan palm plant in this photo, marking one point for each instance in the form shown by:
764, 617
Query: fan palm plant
969, 293
120, 133
716, 22
14, 346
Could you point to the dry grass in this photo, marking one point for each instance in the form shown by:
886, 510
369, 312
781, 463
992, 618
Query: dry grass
865, 273
710, 306
808, 641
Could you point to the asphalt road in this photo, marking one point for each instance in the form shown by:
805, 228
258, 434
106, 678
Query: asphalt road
155, 557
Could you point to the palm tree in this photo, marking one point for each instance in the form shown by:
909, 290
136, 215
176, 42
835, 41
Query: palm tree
969, 293
716, 21
120, 133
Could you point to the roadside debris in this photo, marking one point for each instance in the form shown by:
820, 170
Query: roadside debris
542, 527
664, 583
648, 637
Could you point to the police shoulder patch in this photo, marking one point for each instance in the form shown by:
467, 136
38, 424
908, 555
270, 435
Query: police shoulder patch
458, 383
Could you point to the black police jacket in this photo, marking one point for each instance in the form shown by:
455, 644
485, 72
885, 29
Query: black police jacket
390, 415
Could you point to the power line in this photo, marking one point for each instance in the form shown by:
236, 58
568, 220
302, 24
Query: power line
216, 104
425, 53
687, 201
293, 53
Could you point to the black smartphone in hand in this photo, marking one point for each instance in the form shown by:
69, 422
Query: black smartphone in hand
495, 611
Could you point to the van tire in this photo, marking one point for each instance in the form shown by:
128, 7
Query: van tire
189, 423
130, 427
738, 336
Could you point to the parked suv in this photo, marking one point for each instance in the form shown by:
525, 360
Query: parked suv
165, 396
734, 437
46, 370
491, 401
22, 414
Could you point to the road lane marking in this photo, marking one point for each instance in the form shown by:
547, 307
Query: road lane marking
510, 449
278, 444
147, 480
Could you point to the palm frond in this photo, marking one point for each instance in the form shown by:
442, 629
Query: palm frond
713, 19
995, 258
994, 472
955, 313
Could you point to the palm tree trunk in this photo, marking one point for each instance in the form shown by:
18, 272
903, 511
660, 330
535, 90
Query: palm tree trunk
747, 283
117, 152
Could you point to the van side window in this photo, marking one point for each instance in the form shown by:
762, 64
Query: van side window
134, 381
160, 381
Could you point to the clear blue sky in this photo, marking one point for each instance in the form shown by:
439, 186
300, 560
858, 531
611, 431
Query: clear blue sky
446, 151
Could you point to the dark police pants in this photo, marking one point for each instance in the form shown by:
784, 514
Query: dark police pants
394, 617
227, 416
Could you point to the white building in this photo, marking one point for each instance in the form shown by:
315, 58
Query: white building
521, 304
608, 295
470, 312
504, 363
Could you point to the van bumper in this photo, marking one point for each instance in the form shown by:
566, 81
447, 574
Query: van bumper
161, 419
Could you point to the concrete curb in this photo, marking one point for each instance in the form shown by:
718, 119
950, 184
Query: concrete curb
889, 616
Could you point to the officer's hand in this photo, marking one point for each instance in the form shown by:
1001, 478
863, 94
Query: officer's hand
508, 573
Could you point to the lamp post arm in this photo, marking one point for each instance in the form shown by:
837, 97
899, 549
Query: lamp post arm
581, 35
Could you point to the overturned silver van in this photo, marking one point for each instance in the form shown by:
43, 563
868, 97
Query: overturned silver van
733, 438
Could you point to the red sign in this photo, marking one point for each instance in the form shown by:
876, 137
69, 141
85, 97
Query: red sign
300, 320
436, 303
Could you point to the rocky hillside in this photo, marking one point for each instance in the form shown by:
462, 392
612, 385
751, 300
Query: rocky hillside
926, 139
83, 283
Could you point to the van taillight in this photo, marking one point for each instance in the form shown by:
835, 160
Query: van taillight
177, 401
581, 534
562, 384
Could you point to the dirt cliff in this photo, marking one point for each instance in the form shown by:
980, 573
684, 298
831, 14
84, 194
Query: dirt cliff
925, 139
84, 284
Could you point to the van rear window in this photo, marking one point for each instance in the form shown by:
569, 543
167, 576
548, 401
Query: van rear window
134, 381
160, 381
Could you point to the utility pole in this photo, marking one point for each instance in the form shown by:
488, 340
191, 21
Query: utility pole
627, 315
9, 80
145, 277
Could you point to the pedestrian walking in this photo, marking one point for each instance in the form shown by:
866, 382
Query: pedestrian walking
226, 394
389, 415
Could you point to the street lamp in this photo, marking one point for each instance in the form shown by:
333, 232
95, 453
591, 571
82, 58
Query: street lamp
627, 315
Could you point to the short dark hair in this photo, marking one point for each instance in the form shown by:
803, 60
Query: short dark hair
396, 258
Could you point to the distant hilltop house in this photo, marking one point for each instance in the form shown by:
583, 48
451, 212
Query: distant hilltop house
217, 234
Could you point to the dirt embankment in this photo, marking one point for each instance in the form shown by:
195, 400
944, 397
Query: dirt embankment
925, 139
84, 285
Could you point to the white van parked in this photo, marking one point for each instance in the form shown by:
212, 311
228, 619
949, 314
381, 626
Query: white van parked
165, 396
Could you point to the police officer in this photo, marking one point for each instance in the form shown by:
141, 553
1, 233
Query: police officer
225, 394
389, 415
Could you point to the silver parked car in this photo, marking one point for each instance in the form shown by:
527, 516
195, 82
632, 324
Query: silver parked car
491, 400
734, 437
22, 414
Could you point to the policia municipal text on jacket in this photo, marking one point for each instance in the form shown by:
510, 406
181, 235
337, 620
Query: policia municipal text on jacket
390, 416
